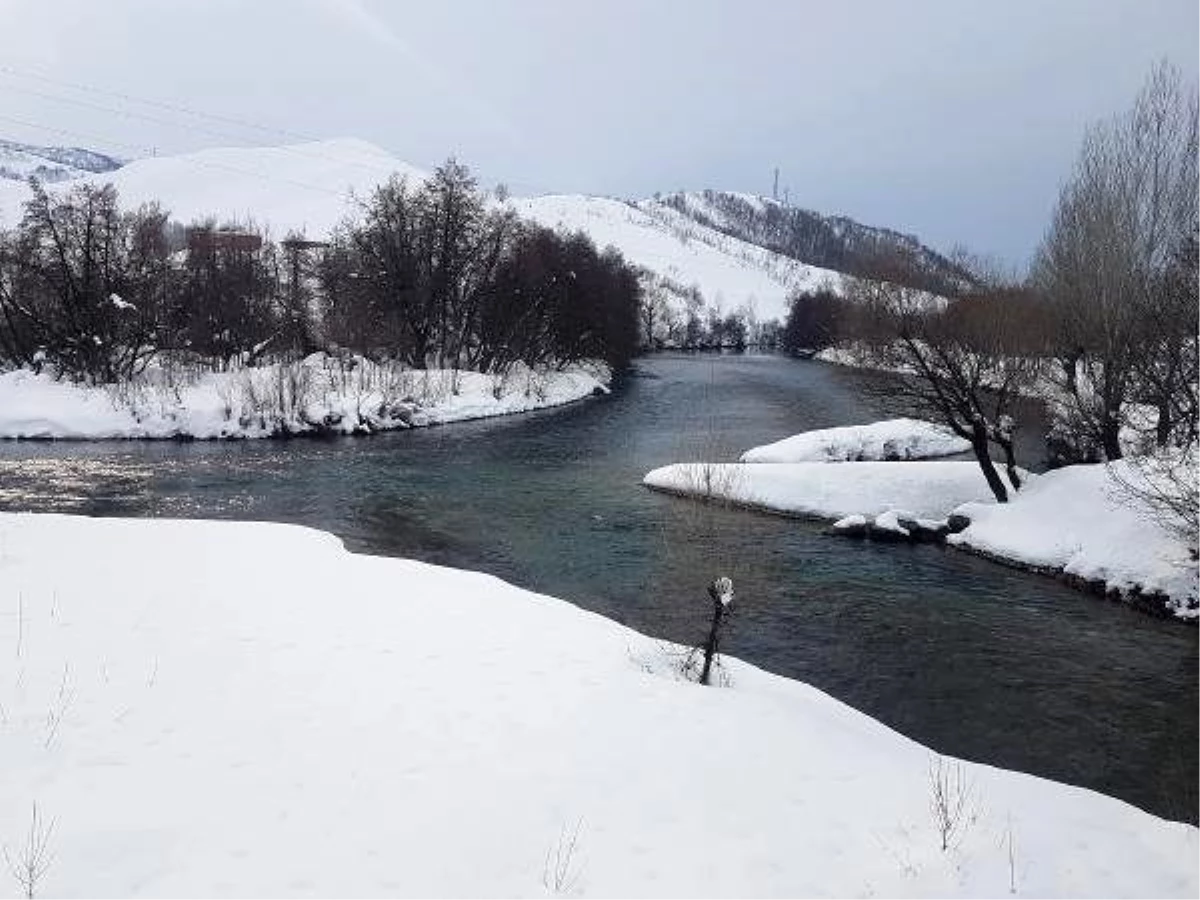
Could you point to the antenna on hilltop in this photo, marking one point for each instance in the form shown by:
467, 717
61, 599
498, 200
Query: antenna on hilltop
775, 189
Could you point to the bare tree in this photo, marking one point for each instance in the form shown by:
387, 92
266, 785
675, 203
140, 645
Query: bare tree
967, 360
1121, 222
82, 285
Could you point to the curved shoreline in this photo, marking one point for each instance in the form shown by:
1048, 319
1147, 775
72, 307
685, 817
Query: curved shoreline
317, 397
1154, 603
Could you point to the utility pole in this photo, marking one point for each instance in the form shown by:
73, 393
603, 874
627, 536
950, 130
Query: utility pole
775, 189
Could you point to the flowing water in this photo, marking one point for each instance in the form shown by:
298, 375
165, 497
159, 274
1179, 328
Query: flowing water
972, 658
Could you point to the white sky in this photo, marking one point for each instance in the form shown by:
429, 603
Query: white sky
953, 119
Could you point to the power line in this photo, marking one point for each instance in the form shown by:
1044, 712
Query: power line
183, 109
185, 159
171, 107
225, 135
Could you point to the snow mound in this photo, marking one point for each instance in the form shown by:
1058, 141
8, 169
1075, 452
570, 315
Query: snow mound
830, 490
246, 709
893, 439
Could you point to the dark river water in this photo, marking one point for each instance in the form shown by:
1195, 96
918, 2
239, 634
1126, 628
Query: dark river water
974, 659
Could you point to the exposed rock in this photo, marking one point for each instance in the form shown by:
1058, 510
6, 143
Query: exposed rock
957, 522
924, 531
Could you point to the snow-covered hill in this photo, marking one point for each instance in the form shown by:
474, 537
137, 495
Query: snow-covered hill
685, 245
301, 187
834, 242
51, 164
729, 273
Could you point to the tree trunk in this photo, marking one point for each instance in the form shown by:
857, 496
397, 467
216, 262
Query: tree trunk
1010, 464
710, 645
979, 443
1162, 430
1110, 436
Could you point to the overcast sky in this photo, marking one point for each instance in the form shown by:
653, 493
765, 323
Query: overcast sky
951, 119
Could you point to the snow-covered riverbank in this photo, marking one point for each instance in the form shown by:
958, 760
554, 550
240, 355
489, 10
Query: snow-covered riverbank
321, 394
1074, 521
829, 490
247, 709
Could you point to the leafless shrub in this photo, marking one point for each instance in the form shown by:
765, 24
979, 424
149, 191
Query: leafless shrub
1009, 843
276, 396
713, 482
30, 863
20, 624
536, 385
951, 800
58, 710
561, 871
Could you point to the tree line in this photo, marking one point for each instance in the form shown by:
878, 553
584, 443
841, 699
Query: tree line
432, 275
1103, 327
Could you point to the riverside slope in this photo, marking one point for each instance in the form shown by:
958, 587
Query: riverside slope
247, 709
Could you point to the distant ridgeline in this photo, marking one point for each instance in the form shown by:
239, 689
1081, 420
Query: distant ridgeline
830, 242
21, 161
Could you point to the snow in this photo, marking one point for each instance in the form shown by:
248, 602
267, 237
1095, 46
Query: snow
1077, 520
320, 394
830, 490
893, 439
729, 273
298, 187
308, 188
851, 521
890, 521
1074, 520
21, 161
246, 709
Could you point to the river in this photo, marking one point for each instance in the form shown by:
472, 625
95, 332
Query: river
969, 657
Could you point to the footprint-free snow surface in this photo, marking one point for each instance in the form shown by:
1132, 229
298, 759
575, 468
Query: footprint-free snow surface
233, 709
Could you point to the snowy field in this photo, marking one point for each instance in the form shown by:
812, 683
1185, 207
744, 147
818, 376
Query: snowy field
321, 394
892, 439
246, 709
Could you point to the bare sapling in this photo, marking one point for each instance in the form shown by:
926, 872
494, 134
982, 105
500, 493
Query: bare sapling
1010, 844
29, 864
561, 871
951, 800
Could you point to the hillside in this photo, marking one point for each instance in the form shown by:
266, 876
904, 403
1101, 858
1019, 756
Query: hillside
831, 242
51, 164
729, 273
734, 251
